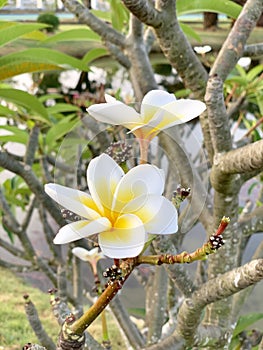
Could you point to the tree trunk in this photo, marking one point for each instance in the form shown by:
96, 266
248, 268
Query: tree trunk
210, 20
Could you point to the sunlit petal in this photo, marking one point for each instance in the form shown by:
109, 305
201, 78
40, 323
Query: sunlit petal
156, 212
152, 101
81, 229
177, 112
142, 179
76, 201
116, 113
103, 176
125, 240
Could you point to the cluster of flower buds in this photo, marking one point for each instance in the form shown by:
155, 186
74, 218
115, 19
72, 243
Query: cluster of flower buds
113, 273
180, 194
120, 151
69, 215
216, 241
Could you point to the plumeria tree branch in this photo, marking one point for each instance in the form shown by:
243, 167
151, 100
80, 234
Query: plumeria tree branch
233, 47
36, 324
8, 162
254, 50
172, 41
100, 27
217, 116
241, 160
32, 145
131, 331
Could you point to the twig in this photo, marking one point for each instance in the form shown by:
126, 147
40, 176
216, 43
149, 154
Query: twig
130, 330
32, 146
9, 163
36, 324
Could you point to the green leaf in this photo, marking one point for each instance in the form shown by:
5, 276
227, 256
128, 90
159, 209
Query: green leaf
62, 107
190, 32
17, 135
6, 112
3, 3
251, 187
254, 72
9, 233
83, 34
44, 56
27, 101
105, 15
45, 98
13, 31
12, 69
93, 55
226, 7
119, 14
245, 321
260, 103
59, 130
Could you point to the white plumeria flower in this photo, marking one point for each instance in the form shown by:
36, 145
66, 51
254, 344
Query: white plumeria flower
202, 50
244, 62
121, 208
159, 110
91, 256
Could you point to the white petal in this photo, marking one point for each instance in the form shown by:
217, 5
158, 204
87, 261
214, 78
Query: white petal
152, 101
82, 253
177, 112
87, 255
157, 213
116, 113
76, 201
125, 240
103, 176
81, 229
110, 99
140, 180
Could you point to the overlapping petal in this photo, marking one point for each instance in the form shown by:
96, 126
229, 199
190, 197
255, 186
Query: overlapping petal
177, 112
157, 213
126, 239
103, 176
76, 201
122, 208
152, 101
140, 180
81, 229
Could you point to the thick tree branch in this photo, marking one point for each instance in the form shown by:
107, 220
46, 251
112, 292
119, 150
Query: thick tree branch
233, 47
141, 71
105, 31
179, 159
241, 160
253, 51
144, 11
218, 120
189, 315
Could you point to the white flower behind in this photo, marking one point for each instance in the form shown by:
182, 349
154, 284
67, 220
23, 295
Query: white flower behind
121, 208
159, 110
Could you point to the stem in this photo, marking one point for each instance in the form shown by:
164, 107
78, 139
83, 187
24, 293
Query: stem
144, 146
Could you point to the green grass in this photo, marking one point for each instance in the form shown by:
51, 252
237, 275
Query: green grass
15, 330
